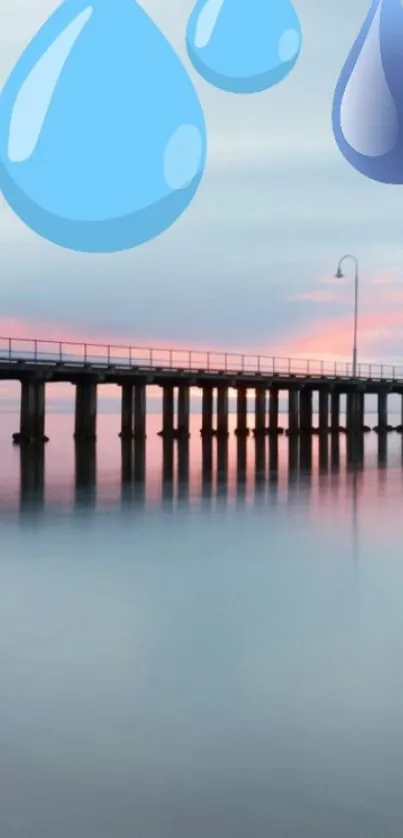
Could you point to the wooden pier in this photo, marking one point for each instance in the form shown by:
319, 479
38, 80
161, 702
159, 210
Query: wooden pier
257, 381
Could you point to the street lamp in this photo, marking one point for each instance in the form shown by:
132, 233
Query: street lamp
339, 275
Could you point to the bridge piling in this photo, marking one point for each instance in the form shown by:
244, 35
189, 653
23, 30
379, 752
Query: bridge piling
127, 399
183, 411
293, 411
382, 410
273, 410
354, 407
167, 411
323, 410
207, 412
32, 412
260, 411
241, 412
86, 410
222, 411
335, 410
306, 410
140, 411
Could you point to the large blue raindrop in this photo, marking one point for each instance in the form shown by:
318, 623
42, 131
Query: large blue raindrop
368, 102
102, 136
243, 46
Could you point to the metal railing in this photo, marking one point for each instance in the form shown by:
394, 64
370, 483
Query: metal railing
14, 350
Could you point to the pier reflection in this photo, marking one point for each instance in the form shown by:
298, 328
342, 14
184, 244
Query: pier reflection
260, 444
222, 467
241, 465
206, 469
133, 470
85, 457
355, 451
32, 477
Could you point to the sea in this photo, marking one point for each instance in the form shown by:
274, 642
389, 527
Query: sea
202, 640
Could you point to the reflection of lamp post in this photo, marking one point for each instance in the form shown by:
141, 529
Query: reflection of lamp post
339, 274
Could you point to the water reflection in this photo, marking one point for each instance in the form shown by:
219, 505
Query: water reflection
133, 471
305, 455
355, 451
222, 467
185, 470
32, 477
85, 457
212, 648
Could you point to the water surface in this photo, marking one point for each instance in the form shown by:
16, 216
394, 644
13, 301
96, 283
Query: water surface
215, 652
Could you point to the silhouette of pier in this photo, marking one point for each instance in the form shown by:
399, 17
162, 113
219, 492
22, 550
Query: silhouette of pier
258, 382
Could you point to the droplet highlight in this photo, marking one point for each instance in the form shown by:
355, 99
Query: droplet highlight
243, 46
102, 135
367, 113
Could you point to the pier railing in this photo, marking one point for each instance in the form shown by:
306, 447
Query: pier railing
100, 355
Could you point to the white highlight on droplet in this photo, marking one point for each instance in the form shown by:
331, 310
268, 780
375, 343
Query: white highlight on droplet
183, 156
207, 22
34, 98
368, 117
289, 45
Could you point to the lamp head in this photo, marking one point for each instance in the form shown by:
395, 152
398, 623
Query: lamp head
339, 273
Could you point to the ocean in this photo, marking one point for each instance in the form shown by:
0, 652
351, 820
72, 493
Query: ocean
200, 644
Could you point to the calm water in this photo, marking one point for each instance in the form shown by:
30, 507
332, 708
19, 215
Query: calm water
210, 655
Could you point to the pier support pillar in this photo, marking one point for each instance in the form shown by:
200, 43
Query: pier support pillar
361, 408
86, 410
167, 410
323, 410
335, 410
306, 410
354, 411
139, 409
222, 411
126, 424
293, 411
183, 410
241, 412
383, 409
207, 411
32, 413
273, 409
260, 412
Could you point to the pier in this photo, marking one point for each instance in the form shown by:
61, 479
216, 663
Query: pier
258, 382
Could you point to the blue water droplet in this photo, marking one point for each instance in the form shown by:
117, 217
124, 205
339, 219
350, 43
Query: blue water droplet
368, 102
243, 46
102, 136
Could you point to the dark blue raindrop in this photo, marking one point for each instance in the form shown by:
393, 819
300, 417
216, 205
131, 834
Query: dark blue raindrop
368, 102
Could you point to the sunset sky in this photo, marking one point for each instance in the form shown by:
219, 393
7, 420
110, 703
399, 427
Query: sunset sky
250, 265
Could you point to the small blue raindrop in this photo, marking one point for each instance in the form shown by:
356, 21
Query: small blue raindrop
102, 136
368, 102
243, 46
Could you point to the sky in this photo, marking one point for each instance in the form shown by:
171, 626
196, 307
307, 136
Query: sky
250, 265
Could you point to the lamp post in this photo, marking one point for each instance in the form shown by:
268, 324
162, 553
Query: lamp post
339, 274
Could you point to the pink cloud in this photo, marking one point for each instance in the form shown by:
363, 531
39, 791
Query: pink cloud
331, 338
